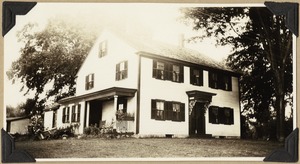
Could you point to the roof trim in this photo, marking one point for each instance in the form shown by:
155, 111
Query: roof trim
102, 95
156, 56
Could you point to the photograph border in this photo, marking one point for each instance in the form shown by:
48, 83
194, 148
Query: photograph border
218, 159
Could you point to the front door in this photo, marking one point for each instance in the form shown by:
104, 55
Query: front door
95, 113
197, 120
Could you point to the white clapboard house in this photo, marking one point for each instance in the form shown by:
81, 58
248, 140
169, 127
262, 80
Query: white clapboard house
165, 90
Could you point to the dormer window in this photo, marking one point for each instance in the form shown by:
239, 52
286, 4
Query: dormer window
89, 81
103, 49
121, 70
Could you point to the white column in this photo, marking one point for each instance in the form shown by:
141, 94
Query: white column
87, 114
115, 110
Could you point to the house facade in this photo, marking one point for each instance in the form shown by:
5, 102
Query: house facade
164, 90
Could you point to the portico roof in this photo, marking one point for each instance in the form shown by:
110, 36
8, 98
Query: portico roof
200, 95
100, 95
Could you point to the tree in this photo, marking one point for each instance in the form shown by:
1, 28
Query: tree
262, 51
50, 59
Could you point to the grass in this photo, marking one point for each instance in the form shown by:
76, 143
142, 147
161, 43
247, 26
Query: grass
147, 148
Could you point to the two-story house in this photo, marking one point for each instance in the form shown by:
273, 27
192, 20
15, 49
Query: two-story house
166, 90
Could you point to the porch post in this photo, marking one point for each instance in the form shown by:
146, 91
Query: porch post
115, 110
87, 113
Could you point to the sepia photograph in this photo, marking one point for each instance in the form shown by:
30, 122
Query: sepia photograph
172, 81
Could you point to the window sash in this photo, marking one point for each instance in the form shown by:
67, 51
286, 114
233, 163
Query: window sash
196, 76
89, 81
121, 70
220, 81
103, 49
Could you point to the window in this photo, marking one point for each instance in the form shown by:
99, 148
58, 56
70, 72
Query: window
76, 113
121, 70
167, 71
220, 81
89, 81
196, 77
218, 115
66, 113
102, 49
158, 70
167, 110
157, 109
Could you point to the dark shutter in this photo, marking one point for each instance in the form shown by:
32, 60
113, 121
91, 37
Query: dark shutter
221, 81
118, 71
92, 83
64, 115
182, 112
126, 69
181, 74
78, 112
192, 77
168, 71
154, 73
211, 115
231, 116
153, 109
168, 110
86, 82
73, 114
200, 77
221, 115
210, 80
229, 83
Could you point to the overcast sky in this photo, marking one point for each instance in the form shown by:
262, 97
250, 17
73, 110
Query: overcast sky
161, 20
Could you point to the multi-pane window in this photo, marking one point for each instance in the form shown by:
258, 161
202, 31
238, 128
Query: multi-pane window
218, 115
102, 49
121, 70
66, 113
167, 110
196, 77
167, 71
89, 81
220, 81
75, 116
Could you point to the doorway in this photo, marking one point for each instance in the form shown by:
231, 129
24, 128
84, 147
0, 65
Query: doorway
95, 112
197, 119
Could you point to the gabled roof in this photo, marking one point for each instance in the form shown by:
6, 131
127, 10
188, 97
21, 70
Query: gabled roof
154, 47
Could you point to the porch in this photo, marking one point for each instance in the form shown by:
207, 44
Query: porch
113, 107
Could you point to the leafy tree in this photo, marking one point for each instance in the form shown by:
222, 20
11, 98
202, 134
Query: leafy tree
262, 51
50, 59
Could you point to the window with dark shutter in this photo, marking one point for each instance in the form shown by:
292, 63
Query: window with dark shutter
167, 71
102, 49
196, 77
167, 110
121, 70
220, 81
89, 81
68, 115
218, 115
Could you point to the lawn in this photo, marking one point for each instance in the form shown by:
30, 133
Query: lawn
146, 148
